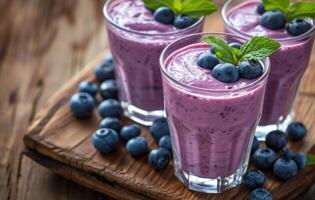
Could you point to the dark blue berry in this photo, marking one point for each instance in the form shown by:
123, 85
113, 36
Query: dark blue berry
137, 146
250, 69
253, 179
298, 27
82, 105
112, 123
183, 21
260, 194
159, 158
166, 143
110, 108
264, 158
105, 140
207, 61
287, 154
301, 160
88, 87
255, 145
108, 89
164, 15
284, 169
235, 45
159, 128
128, 132
273, 20
276, 140
261, 9
296, 130
226, 73
105, 70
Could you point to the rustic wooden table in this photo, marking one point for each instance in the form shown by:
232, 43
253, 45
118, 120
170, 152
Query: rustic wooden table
42, 44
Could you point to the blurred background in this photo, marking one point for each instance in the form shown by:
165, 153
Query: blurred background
43, 43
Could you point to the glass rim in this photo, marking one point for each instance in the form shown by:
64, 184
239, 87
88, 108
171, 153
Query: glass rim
265, 63
112, 22
224, 12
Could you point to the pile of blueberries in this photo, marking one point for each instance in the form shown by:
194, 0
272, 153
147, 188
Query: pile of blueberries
107, 138
276, 20
227, 72
265, 158
165, 15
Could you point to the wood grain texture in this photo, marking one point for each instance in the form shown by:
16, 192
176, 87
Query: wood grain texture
43, 43
67, 141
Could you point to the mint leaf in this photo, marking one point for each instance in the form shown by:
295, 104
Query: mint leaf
310, 159
195, 8
258, 48
282, 5
302, 10
222, 50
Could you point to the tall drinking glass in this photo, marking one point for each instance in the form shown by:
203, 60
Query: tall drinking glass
288, 64
212, 123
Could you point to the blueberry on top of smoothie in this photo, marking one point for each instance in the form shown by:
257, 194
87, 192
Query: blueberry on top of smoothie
164, 15
261, 9
298, 27
207, 60
273, 20
250, 69
183, 21
226, 73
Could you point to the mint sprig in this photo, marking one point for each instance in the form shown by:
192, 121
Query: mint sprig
255, 49
194, 8
310, 159
291, 10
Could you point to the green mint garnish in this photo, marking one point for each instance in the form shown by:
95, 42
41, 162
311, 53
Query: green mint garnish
255, 49
291, 10
194, 8
310, 159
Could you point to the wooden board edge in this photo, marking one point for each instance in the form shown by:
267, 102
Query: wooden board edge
90, 180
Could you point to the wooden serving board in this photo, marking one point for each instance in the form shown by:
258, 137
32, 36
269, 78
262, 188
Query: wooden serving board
62, 143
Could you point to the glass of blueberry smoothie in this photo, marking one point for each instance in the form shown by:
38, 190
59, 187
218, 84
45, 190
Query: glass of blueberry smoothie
137, 35
213, 103
288, 24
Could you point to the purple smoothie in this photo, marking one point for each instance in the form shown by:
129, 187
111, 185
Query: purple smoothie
288, 64
212, 122
136, 42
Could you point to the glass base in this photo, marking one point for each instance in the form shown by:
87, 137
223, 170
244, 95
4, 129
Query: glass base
208, 185
140, 116
262, 131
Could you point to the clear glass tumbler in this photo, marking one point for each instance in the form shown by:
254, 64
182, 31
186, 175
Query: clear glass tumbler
212, 128
136, 58
288, 64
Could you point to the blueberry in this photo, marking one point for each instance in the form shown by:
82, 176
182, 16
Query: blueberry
235, 45
284, 168
110, 108
296, 130
298, 27
164, 15
226, 73
108, 89
105, 70
276, 140
253, 179
273, 20
137, 146
112, 123
105, 140
260, 194
159, 158
166, 143
301, 160
183, 21
255, 145
260, 9
250, 69
128, 132
88, 87
82, 105
287, 154
207, 61
159, 128
264, 158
